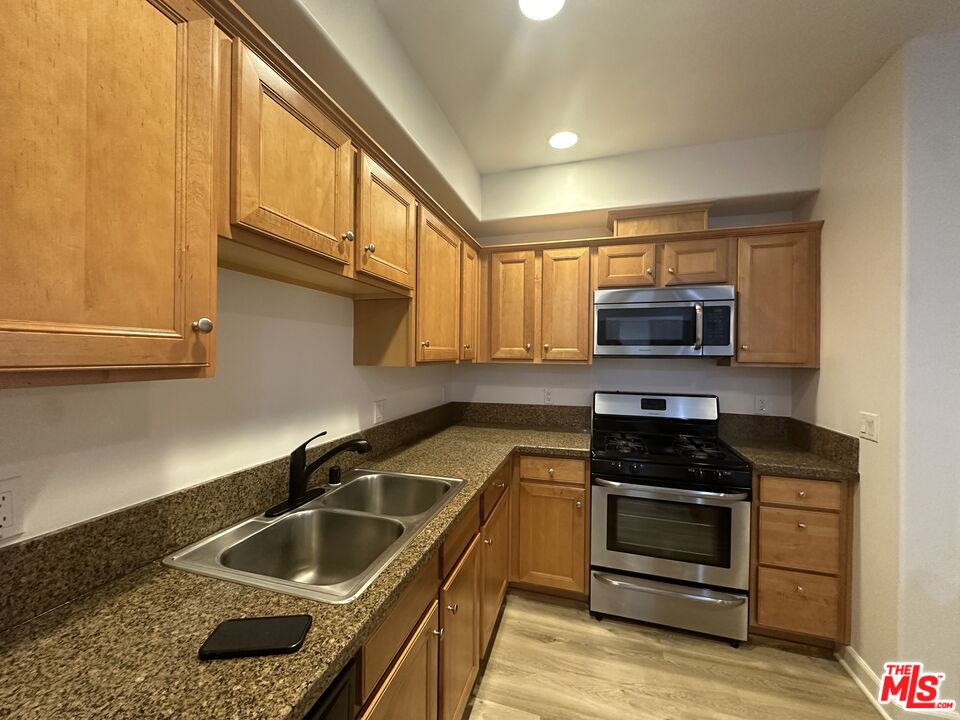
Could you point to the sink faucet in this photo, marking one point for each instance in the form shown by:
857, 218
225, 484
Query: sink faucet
300, 472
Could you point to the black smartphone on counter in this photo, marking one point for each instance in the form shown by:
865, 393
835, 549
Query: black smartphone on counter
247, 637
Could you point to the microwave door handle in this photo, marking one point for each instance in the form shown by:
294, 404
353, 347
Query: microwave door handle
698, 344
683, 492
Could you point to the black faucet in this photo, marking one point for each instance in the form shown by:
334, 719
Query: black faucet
300, 472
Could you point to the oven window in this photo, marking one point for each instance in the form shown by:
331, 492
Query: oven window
680, 531
647, 326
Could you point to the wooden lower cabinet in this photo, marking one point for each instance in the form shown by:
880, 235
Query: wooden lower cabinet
552, 535
409, 691
802, 581
494, 568
460, 642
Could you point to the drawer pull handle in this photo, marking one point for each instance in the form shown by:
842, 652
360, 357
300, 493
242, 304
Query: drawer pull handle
439, 633
550, 471
801, 494
802, 526
453, 608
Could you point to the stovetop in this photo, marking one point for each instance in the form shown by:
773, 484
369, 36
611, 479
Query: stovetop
656, 447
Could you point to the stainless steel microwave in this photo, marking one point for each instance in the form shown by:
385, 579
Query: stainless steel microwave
696, 321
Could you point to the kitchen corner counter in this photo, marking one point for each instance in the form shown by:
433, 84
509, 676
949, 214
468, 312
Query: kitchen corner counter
129, 648
773, 458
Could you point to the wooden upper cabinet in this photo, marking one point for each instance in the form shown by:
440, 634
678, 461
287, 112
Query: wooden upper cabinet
658, 220
469, 301
460, 623
292, 166
778, 308
696, 262
438, 291
627, 265
108, 249
386, 242
512, 305
565, 310
410, 690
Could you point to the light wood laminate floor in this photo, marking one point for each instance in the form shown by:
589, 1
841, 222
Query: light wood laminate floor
554, 662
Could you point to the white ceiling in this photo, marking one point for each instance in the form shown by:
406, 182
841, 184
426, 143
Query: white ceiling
632, 75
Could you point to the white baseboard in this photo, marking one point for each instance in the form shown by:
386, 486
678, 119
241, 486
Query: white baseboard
868, 682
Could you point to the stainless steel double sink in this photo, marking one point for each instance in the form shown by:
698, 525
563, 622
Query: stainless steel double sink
329, 549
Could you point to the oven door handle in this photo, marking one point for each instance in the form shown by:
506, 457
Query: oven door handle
720, 601
672, 491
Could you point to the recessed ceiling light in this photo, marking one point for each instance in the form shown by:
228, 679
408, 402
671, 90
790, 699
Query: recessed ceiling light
540, 9
563, 140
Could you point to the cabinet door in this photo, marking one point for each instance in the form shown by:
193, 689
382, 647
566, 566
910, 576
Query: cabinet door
495, 568
469, 302
108, 248
551, 528
386, 241
566, 304
696, 262
409, 691
438, 291
512, 306
778, 308
627, 265
292, 166
460, 622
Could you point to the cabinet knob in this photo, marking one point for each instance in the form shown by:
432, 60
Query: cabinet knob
800, 588
671, 271
348, 235
203, 326
579, 504
439, 633
802, 526
500, 485
744, 347
488, 541
453, 608
527, 346
550, 471
371, 248
649, 271
546, 346
801, 493
466, 346
426, 343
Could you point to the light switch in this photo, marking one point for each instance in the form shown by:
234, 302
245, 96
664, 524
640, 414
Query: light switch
870, 426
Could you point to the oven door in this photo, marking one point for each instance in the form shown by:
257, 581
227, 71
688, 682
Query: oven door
674, 328
691, 535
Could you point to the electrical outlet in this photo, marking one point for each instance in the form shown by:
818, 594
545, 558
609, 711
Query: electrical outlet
378, 411
547, 396
870, 426
761, 404
11, 512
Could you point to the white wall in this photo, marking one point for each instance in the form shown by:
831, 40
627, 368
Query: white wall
284, 372
929, 595
574, 385
860, 199
737, 169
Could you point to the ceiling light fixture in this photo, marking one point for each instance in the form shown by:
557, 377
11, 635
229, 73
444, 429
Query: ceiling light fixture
563, 140
540, 9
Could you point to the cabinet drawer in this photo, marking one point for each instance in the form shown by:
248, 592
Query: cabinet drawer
387, 640
459, 537
798, 602
822, 494
495, 488
801, 539
551, 469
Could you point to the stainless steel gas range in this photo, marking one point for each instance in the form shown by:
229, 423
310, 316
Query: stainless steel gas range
670, 519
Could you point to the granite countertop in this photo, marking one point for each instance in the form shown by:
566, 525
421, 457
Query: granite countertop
129, 648
780, 458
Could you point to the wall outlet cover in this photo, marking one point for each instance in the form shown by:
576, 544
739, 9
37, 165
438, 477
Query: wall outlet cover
547, 396
378, 411
761, 404
869, 426
11, 507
